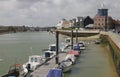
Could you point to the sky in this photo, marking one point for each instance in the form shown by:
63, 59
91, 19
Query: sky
49, 12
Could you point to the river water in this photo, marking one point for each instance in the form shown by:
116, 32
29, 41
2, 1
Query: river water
95, 61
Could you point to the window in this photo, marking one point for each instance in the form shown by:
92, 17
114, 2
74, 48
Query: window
99, 19
99, 24
53, 48
32, 60
35, 59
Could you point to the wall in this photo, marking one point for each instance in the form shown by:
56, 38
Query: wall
114, 48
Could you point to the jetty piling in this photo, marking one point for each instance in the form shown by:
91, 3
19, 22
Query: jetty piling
57, 47
71, 39
76, 35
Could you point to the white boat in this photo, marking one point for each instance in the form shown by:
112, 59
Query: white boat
63, 47
81, 44
70, 57
65, 65
97, 41
68, 41
52, 47
23, 71
51, 52
33, 62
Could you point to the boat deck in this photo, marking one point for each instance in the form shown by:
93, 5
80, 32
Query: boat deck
43, 70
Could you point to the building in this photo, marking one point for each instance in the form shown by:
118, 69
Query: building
79, 22
64, 24
88, 20
102, 20
116, 24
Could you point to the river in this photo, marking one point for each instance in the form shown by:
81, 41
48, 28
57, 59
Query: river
95, 61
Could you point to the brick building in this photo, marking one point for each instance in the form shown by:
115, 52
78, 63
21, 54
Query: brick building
102, 20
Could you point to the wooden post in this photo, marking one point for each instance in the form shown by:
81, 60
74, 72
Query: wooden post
57, 47
76, 35
71, 39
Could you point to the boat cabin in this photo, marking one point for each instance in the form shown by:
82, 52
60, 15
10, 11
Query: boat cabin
52, 47
35, 59
81, 44
68, 41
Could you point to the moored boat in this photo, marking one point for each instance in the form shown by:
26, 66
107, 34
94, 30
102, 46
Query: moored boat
81, 44
14, 71
63, 47
77, 48
34, 62
70, 57
55, 73
97, 41
65, 65
68, 41
51, 51
74, 52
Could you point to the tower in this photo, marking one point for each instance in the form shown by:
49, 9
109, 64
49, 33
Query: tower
102, 20
103, 11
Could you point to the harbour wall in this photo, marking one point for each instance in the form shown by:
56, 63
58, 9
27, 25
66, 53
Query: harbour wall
113, 43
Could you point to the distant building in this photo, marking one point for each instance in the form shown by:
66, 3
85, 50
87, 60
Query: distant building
79, 22
102, 20
116, 24
64, 24
87, 21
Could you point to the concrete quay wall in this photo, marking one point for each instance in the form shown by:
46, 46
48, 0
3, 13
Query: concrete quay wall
113, 41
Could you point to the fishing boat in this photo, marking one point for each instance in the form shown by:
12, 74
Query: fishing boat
55, 73
65, 65
34, 62
14, 71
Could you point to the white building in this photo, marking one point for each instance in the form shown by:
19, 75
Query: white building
64, 24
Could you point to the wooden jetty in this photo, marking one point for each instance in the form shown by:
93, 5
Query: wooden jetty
43, 70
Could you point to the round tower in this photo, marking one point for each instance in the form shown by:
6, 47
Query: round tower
103, 11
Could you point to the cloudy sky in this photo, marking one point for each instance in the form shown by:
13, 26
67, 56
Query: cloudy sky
50, 12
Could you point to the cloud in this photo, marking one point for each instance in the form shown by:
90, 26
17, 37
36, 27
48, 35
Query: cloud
50, 12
